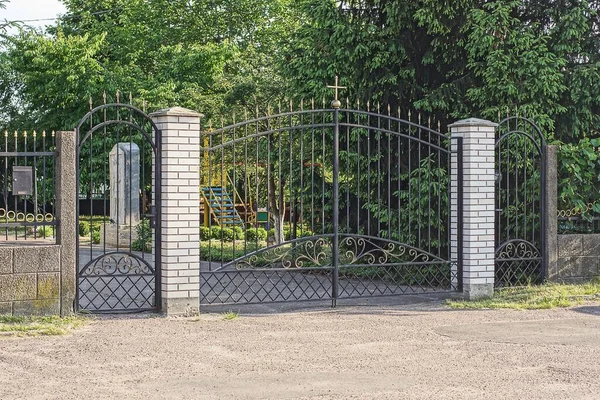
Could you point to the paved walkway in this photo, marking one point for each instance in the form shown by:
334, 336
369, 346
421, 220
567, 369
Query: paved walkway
405, 348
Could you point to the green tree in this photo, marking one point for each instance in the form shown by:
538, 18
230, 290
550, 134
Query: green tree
207, 56
470, 58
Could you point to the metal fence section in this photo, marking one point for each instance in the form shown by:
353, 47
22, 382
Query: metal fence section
27, 173
520, 202
315, 203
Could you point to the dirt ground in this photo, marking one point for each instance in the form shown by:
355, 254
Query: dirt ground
393, 349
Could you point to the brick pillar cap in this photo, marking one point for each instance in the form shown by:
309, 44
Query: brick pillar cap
473, 122
178, 111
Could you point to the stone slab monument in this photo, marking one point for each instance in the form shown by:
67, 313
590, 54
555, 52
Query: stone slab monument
124, 165
125, 184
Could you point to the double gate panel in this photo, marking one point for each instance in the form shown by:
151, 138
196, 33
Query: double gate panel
520, 202
321, 204
118, 207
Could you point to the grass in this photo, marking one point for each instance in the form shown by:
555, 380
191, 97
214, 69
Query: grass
228, 316
550, 295
34, 326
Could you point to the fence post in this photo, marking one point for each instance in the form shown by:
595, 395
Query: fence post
66, 214
550, 250
476, 235
180, 210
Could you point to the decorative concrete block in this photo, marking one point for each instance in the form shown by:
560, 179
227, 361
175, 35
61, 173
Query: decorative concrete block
48, 286
37, 307
590, 245
570, 245
18, 287
6, 308
6, 260
36, 259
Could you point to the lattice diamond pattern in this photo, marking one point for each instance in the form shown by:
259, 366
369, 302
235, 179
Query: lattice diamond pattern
518, 272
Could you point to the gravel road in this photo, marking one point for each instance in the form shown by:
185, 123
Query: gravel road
394, 349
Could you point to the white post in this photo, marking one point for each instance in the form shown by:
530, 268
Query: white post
180, 209
479, 189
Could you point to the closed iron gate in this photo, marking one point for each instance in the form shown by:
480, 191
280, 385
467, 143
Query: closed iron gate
520, 202
118, 207
315, 204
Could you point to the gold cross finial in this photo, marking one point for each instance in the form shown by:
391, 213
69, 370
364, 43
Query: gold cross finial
336, 103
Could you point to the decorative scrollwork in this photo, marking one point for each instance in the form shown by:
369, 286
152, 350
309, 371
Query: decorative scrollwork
117, 264
22, 217
315, 252
575, 211
363, 250
517, 249
306, 252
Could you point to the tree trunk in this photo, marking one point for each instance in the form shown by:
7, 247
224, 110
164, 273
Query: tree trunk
277, 208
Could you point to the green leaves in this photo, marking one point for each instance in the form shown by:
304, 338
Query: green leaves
579, 177
467, 58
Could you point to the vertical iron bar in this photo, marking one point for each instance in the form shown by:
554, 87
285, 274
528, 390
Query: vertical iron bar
544, 216
368, 170
336, 201
378, 233
389, 175
347, 168
358, 183
158, 217
312, 168
301, 189
5, 194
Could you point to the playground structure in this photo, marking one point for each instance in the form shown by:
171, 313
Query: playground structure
222, 203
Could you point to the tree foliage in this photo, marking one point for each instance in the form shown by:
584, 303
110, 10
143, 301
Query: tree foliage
457, 59
196, 54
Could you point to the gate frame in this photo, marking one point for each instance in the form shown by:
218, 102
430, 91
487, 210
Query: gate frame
155, 141
452, 149
541, 148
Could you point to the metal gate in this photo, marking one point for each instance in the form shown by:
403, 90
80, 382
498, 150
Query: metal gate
118, 210
520, 202
324, 204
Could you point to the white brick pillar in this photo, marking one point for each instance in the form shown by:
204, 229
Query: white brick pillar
180, 213
475, 235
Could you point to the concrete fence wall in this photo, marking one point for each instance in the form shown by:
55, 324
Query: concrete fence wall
39, 279
572, 257
578, 258
30, 280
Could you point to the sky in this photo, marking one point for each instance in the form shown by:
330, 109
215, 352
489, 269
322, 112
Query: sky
32, 9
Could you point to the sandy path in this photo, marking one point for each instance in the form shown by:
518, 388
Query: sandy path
406, 351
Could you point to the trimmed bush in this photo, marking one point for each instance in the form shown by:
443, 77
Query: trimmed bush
84, 228
96, 236
215, 232
144, 237
227, 234
254, 234
287, 233
239, 233
205, 233
45, 231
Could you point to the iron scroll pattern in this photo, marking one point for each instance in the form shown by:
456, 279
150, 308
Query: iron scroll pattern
315, 252
518, 263
117, 282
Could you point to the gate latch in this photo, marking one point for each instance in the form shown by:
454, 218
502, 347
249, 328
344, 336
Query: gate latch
152, 216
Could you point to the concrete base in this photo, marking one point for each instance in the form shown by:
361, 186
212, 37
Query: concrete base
477, 292
187, 306
110, 232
